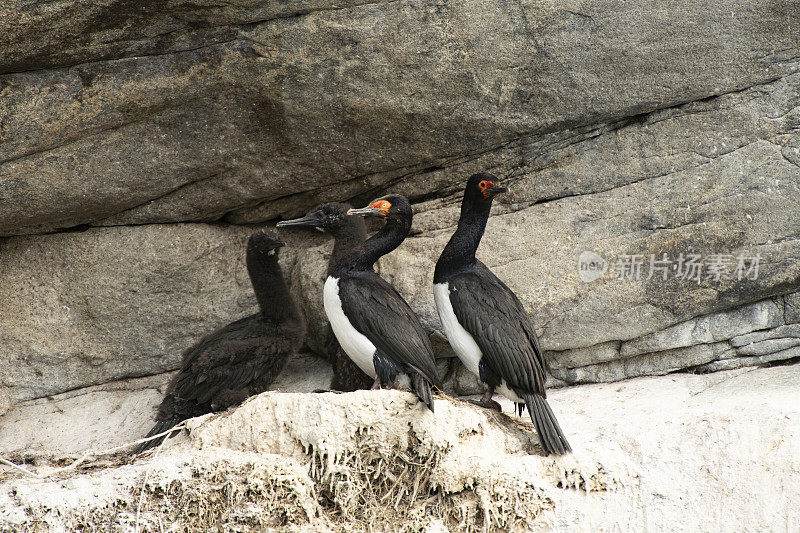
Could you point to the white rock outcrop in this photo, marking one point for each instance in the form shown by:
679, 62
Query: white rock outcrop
715, 452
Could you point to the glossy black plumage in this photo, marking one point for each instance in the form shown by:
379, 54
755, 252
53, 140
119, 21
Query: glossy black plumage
347, 377
349, 232
242, 358
377, 311
494, 317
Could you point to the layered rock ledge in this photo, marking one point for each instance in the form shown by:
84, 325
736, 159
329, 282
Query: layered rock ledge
141, 141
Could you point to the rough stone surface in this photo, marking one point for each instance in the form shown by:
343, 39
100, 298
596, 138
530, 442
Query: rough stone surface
700, 344
744, 361
792, 308
598, 353
112, 414
647, 456
152, 111
707, 329
84, 308
786, 331
5, 400
651, 364
97, 417
622, 129
138, 139
768, 346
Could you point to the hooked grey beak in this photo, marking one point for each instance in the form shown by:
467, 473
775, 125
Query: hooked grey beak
367, 212
493, 191
308, 220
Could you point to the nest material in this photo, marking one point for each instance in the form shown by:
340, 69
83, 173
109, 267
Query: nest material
365, 461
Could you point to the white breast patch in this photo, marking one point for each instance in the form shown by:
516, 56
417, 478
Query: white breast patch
357, 346
461, 340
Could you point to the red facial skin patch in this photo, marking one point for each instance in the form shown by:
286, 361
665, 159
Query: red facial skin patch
383, 205
485, 186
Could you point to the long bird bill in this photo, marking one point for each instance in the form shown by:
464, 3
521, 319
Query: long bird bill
308, 220
368, 211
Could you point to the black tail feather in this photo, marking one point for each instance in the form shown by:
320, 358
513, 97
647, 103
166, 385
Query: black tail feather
423, 389
160, 427
551, 437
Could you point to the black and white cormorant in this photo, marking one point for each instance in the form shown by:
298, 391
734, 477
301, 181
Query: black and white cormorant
374, 324
349, 232
485, 322
242, 358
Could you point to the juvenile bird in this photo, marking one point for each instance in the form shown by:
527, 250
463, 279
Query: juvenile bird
242, 358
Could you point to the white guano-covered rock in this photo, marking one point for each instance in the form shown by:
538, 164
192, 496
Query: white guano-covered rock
717, 452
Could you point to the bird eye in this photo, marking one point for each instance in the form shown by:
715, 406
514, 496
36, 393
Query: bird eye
483, 185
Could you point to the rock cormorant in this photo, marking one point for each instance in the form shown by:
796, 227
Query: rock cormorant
242, 358
373, 323
349, 232
485, 322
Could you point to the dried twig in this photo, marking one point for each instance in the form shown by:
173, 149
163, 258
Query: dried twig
90, 453
147, 474
21, 469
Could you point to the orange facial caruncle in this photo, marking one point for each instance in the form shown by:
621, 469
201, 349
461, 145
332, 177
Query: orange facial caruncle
485, 185
383, 205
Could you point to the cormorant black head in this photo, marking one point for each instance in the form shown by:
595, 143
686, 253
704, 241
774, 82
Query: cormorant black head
326, 217
262, 243
459, 253
392, 207
398, 216
483, 187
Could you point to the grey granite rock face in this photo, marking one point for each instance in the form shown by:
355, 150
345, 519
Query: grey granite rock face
599, 353
792, 354
651, 364
707, 329
703, 344
791, 308
769, 346
631, 131
5, 400
86, 308
150, 112
786, 331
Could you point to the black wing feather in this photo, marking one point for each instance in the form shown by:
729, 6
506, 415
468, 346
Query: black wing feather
495, 317
229, 359
379, 313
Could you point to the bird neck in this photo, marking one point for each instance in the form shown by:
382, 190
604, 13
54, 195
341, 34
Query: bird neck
459, 253
272, 293
349, 236
390, 236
